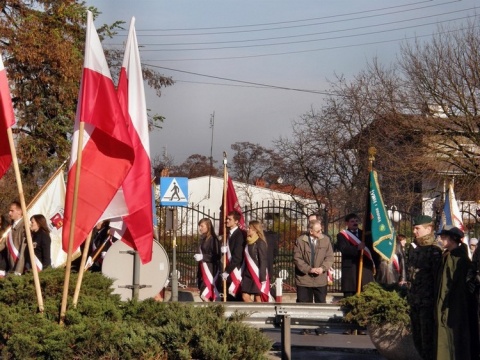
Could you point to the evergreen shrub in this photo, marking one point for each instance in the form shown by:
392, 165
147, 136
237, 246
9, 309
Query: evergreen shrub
376, 305
104, 327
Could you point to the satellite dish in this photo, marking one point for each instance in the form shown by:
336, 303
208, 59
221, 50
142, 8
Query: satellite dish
283, 274
280, 180
118, 265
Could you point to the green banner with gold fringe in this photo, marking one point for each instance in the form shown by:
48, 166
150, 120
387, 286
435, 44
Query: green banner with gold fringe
383, 234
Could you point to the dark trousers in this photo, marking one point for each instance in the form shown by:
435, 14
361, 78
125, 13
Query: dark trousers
423, 331
308, 294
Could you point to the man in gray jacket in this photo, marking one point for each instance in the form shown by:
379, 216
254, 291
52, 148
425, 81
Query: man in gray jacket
313, 256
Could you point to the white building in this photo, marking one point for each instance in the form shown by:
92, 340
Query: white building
205, 194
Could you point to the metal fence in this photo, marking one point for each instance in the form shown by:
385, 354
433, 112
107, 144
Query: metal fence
289, 223
278, 216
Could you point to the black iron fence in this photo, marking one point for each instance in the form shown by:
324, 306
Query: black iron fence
287, 221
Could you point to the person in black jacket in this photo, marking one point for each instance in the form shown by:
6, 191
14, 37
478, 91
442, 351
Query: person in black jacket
349, 243
234, 255
208, 258
41, 243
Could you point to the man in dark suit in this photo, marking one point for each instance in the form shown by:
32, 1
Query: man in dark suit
349, 243
234, 255
273, 239
17, 243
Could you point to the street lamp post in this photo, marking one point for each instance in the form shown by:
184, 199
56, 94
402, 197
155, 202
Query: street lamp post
394, 214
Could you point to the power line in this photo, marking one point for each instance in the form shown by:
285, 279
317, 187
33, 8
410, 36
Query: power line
314, 40
241, 81
300, 20
303, 51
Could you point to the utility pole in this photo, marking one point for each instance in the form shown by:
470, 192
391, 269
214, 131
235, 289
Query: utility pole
212, 125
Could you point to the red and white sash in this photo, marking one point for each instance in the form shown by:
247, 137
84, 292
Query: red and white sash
210, 292
235, 276
255, 272
396, 263
15, 253
352, 239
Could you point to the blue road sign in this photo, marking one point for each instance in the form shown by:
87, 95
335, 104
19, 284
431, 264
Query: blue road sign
173, 191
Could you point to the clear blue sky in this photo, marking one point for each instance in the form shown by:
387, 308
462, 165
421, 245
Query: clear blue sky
296, 44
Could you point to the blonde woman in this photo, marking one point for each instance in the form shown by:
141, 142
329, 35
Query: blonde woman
255, 276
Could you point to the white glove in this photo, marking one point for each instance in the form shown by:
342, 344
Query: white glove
198, 257
224, 249
89, 262
224, 276
103, 254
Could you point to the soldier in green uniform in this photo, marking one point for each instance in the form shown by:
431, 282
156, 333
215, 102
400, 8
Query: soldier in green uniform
423, 264
457, 327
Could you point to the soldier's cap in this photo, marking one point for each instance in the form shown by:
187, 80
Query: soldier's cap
453, 232
422, 220
473, 241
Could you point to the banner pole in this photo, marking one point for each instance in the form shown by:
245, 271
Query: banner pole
81, 270
26, 221
224, 214
68, 267
371, 158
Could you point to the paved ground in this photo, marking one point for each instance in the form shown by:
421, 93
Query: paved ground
333, 346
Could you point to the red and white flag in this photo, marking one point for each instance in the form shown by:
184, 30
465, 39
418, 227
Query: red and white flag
137, 231
107, 151
7, 120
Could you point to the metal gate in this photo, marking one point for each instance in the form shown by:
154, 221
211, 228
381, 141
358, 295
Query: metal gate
288, 221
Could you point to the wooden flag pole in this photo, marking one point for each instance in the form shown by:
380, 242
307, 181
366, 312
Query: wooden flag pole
224, 214
26, 220
81, 270
68, 267
371, 158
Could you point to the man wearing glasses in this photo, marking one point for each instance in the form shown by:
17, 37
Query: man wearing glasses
313, 256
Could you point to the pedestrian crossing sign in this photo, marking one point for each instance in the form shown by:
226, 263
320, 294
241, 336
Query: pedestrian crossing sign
173, 191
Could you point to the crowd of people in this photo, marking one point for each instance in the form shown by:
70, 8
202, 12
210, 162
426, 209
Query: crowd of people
14, 254
441, 280
440, 273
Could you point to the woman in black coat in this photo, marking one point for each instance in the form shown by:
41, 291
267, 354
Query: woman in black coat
41, 242
208, 259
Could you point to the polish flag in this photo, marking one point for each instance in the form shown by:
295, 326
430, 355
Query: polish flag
137, 188
107, 152
7, 120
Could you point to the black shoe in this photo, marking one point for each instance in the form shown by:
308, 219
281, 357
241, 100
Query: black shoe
306, 332
320, 332
362, 332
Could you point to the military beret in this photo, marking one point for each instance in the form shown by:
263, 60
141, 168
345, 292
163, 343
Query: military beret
453, 232
422, 220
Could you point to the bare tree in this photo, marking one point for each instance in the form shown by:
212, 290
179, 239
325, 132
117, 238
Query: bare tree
443, 78
421, 113
253, 161
195, 165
